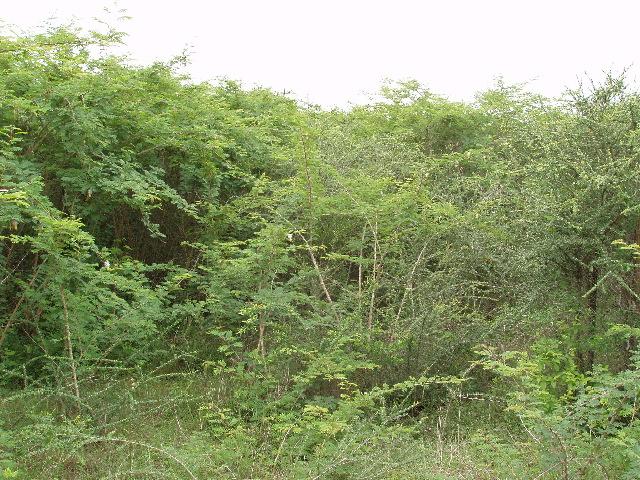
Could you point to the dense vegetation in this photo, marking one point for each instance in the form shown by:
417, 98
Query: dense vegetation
201, 281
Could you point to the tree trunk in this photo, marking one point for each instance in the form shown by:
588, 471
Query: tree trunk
69, 347
632, 302
586, 355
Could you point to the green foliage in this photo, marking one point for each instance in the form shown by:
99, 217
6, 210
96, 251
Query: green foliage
584, 425
208, 281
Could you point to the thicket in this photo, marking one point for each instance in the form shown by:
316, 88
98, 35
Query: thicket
204, 281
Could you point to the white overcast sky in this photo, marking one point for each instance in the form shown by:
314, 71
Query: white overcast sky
336, 52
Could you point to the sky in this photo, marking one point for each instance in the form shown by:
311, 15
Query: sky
337, 53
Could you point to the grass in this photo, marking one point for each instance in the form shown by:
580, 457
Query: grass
157, 428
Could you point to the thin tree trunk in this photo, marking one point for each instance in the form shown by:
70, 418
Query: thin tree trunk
316, 266
632, 342
364, 231
407, 288
69, 346
11, 319
590, 330
261, 346
307, 172
308, 243
261, 329
374, 277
